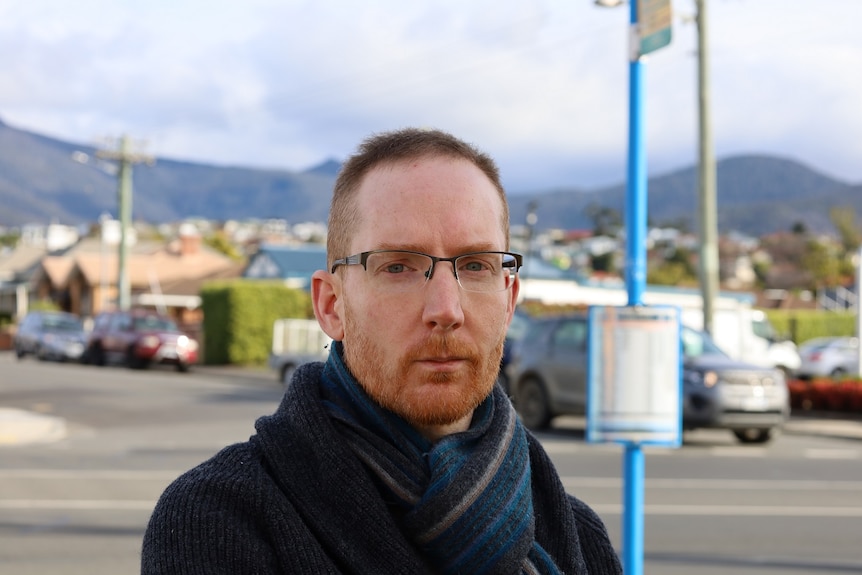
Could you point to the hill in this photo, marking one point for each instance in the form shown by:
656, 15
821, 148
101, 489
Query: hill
755, 194
44, 179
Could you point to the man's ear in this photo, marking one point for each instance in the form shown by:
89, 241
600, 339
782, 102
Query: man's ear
326, 299
513, 298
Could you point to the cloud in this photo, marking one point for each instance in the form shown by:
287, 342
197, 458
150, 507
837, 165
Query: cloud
541, 84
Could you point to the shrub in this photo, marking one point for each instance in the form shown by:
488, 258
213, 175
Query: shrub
239, 315
804, 324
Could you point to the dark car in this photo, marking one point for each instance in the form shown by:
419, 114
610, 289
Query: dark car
55, 335
138, 338
548, 375
517, 329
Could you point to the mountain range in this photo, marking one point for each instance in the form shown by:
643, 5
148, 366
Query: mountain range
43, 179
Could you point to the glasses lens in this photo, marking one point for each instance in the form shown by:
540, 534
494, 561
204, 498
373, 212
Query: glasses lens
485, 271
399, 271
396, 271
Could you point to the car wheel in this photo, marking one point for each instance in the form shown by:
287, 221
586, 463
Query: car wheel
97, 355
531, 401
183, 367
753, 435
838, 373
19, 353
132, 361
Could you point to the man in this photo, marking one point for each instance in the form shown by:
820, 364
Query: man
398, 455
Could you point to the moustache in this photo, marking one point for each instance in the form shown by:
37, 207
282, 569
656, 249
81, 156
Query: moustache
443, 346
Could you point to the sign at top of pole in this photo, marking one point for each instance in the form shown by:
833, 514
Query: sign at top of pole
653, 29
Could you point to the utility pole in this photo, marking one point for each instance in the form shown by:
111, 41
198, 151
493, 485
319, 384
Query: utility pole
531, 220
707, 177
126, 159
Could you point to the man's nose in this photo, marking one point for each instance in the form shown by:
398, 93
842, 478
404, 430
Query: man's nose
443, 298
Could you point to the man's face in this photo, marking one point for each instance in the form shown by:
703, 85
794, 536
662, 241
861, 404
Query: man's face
429, 355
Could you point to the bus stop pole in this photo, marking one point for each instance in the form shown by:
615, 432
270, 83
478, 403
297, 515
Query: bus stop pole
635, 278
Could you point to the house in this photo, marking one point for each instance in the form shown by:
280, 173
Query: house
16, 266
167, 276
292, 264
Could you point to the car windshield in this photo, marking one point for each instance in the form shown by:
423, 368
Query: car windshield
518, 327
61, 323
153, 323
698, 343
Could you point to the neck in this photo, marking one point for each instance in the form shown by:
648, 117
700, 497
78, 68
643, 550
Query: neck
434, 433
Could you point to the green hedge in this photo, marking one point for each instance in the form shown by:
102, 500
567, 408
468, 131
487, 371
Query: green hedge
804, 324
238, 318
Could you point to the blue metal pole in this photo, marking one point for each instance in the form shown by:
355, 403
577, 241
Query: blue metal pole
633, 503
635, 276
636, 187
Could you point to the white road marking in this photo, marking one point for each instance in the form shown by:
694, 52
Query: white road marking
77, 504
570, 482
741, 510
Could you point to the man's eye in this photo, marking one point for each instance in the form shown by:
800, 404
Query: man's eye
394, 268
474, 266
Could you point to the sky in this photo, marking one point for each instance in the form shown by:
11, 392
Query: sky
541, 85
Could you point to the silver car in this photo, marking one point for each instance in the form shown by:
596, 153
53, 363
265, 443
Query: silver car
548, 375
52, 335
829, 357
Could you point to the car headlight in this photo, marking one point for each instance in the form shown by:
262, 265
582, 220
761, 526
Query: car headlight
704, 378
185, 341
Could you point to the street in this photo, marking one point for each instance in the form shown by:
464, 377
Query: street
79, 504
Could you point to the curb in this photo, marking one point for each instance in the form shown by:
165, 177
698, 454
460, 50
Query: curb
848, 429
19, 427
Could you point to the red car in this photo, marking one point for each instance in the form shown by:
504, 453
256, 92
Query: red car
138, 338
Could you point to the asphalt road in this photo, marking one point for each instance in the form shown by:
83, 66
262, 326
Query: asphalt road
78, 503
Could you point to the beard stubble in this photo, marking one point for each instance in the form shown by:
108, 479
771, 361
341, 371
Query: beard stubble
420, 398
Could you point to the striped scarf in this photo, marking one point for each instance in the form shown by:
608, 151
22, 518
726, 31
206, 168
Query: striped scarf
466, 500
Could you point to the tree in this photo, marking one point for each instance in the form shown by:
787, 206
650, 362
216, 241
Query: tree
844, 220
10, 239
606, 220
603, 262
676, 270
822, 261
219, 242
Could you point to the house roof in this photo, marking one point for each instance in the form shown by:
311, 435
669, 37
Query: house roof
57, 269
16, 262
286, 261
192, 286
147, 270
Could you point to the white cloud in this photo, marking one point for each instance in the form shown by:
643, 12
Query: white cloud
541, 84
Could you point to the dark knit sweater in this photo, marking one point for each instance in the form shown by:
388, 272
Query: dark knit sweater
295, 499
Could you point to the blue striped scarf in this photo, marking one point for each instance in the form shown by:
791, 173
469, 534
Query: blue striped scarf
466, 500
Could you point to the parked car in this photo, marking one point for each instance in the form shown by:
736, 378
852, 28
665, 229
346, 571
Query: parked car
55, 335
829, 357
548, 375
516, 331
138, 338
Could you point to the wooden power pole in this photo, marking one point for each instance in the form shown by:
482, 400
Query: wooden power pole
125, 159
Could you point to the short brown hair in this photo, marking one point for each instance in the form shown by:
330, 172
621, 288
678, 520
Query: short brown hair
392, 147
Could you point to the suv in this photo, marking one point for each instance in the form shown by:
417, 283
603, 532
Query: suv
548, 376
50, 335
138, 338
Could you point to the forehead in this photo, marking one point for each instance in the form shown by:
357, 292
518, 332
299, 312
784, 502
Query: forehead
429, 203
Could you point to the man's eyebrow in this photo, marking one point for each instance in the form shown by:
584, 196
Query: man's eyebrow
483, 247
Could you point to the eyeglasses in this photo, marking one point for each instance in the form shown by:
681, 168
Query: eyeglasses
404, 270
